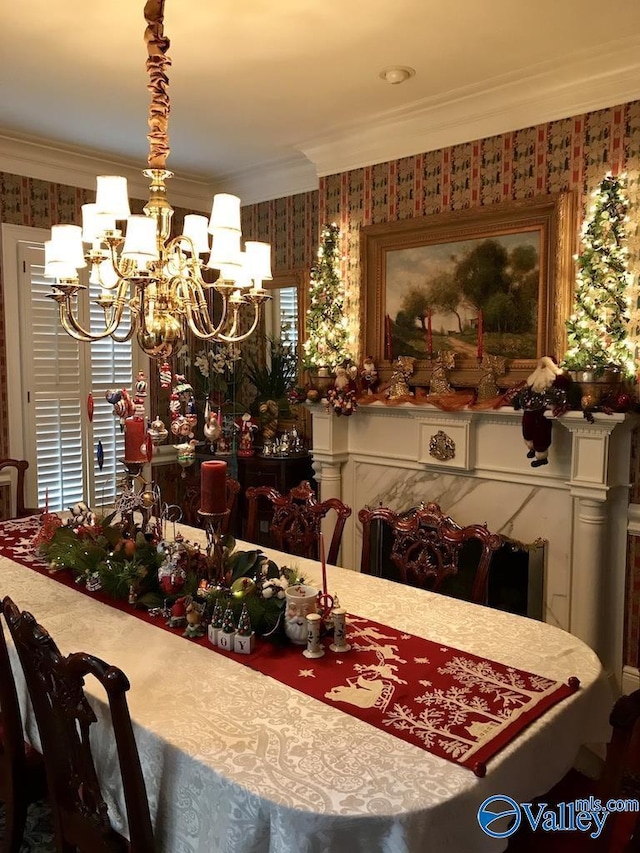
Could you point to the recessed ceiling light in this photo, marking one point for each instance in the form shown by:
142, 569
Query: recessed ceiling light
395, 74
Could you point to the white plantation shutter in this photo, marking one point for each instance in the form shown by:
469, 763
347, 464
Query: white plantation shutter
110, 366
58, 374
289, 315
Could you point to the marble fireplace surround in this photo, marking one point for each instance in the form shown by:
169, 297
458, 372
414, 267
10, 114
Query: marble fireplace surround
578, 503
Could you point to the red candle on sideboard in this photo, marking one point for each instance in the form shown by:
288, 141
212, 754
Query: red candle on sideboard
135, 448
213, 486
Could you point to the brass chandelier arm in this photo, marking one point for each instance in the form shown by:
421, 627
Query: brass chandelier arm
239, 338
71, 325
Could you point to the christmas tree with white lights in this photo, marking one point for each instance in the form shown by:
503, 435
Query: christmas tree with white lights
327, 343
598, 330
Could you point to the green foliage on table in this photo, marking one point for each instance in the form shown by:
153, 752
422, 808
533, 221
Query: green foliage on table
253, 579
101, 553
597, 331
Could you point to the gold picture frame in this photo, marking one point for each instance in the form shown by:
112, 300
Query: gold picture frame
396, 255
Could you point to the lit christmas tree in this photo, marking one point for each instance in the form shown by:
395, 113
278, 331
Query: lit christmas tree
598, 330
327, 343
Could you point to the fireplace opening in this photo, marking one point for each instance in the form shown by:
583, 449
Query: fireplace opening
516, 572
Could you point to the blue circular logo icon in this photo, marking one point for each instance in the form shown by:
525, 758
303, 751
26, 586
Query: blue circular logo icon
499, 808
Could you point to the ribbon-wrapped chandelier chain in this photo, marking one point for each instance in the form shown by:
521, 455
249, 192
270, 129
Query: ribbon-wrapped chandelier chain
155, 280
157, 60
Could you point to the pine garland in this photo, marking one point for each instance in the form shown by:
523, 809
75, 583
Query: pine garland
598, 329
327, 343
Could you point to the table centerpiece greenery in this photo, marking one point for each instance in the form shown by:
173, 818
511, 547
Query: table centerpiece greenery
152, 572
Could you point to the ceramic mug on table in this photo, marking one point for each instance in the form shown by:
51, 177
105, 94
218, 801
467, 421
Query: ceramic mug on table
301, 599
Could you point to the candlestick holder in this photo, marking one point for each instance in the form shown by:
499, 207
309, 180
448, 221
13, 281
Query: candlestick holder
213, 522
137, 495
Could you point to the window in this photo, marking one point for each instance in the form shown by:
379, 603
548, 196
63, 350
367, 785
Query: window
55, 376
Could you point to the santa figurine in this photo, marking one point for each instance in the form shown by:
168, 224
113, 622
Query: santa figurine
247, 428
545, 388
369, 375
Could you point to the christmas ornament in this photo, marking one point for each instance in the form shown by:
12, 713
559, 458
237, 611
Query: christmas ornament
157, 431
90, 404
165, 375
100, 455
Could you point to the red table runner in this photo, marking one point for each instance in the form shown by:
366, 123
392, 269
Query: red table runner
454, 704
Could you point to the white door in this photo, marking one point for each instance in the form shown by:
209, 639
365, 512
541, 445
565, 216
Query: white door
56, 375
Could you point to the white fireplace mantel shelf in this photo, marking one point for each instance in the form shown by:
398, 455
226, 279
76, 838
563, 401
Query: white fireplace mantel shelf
578, 502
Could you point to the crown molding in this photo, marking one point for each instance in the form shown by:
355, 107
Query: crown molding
77, 168
271, 179
479, 112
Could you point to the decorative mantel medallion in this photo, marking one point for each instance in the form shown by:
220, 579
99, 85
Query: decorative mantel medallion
442, 447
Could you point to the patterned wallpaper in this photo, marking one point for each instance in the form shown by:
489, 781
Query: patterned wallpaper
569, 154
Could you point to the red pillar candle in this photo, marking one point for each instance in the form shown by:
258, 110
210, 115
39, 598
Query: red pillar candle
135, 445
213, 486
387, 337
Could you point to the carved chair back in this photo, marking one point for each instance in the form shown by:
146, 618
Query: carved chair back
64, 717
620, 775
297, 517
428, 550
20, 466
22, 774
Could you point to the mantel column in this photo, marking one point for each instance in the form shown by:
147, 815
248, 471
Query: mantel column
599, 484
329, 453
587, 575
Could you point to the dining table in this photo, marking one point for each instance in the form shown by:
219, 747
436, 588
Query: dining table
236, 761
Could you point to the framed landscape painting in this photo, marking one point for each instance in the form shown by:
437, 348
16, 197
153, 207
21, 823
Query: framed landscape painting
495, 280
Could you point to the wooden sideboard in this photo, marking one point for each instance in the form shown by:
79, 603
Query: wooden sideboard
182, 486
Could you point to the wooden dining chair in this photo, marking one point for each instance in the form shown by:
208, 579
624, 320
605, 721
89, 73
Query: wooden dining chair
428, 549
296, 522
619, 779
20, 466
22, 772
64, 718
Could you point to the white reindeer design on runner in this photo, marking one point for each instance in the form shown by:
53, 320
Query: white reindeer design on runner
373, 686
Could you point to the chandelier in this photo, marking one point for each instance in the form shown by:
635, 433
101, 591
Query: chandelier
151, 281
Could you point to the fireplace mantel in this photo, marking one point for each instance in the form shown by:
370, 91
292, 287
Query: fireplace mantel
578, 502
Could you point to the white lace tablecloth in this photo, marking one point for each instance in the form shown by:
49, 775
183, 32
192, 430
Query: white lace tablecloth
236, 762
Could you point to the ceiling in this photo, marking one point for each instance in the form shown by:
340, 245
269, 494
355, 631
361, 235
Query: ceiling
266, 95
